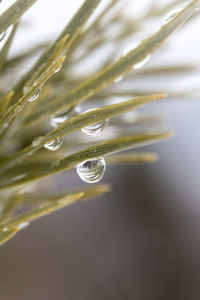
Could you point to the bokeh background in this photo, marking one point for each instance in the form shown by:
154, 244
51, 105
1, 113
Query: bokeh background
142, 240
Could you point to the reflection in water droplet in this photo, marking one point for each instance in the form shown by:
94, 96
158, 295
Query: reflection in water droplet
91, 171
96, 128
172, 14
55, 144
142, 63
63, 116
23, 225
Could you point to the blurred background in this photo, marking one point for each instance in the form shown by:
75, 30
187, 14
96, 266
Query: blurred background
141, 241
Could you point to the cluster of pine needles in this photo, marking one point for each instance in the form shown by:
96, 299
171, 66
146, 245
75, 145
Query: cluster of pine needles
54, 79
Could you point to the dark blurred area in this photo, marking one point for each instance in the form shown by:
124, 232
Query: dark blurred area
140, 241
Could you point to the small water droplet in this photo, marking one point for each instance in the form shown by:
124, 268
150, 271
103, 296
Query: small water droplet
2, 35
5, 229
96, 128
37, 141
23, 225
58, 69
63, 116
91, 171
55, 144
34, 95
130, 48
142, 63
172, 14
118, 79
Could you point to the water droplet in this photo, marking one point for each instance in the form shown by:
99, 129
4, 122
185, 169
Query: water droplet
91, 171
142, 63
34, 95
23, 225
172, 14
55, 144
5, 229
58, 69
37, 141
96, 128
2, 35
118, 79
130, 48
63, 116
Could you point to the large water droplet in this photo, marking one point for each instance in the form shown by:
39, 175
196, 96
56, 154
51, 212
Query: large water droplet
96, 128
55, 144
61, 117
172, 14
23, 225
91, 171
142, 63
